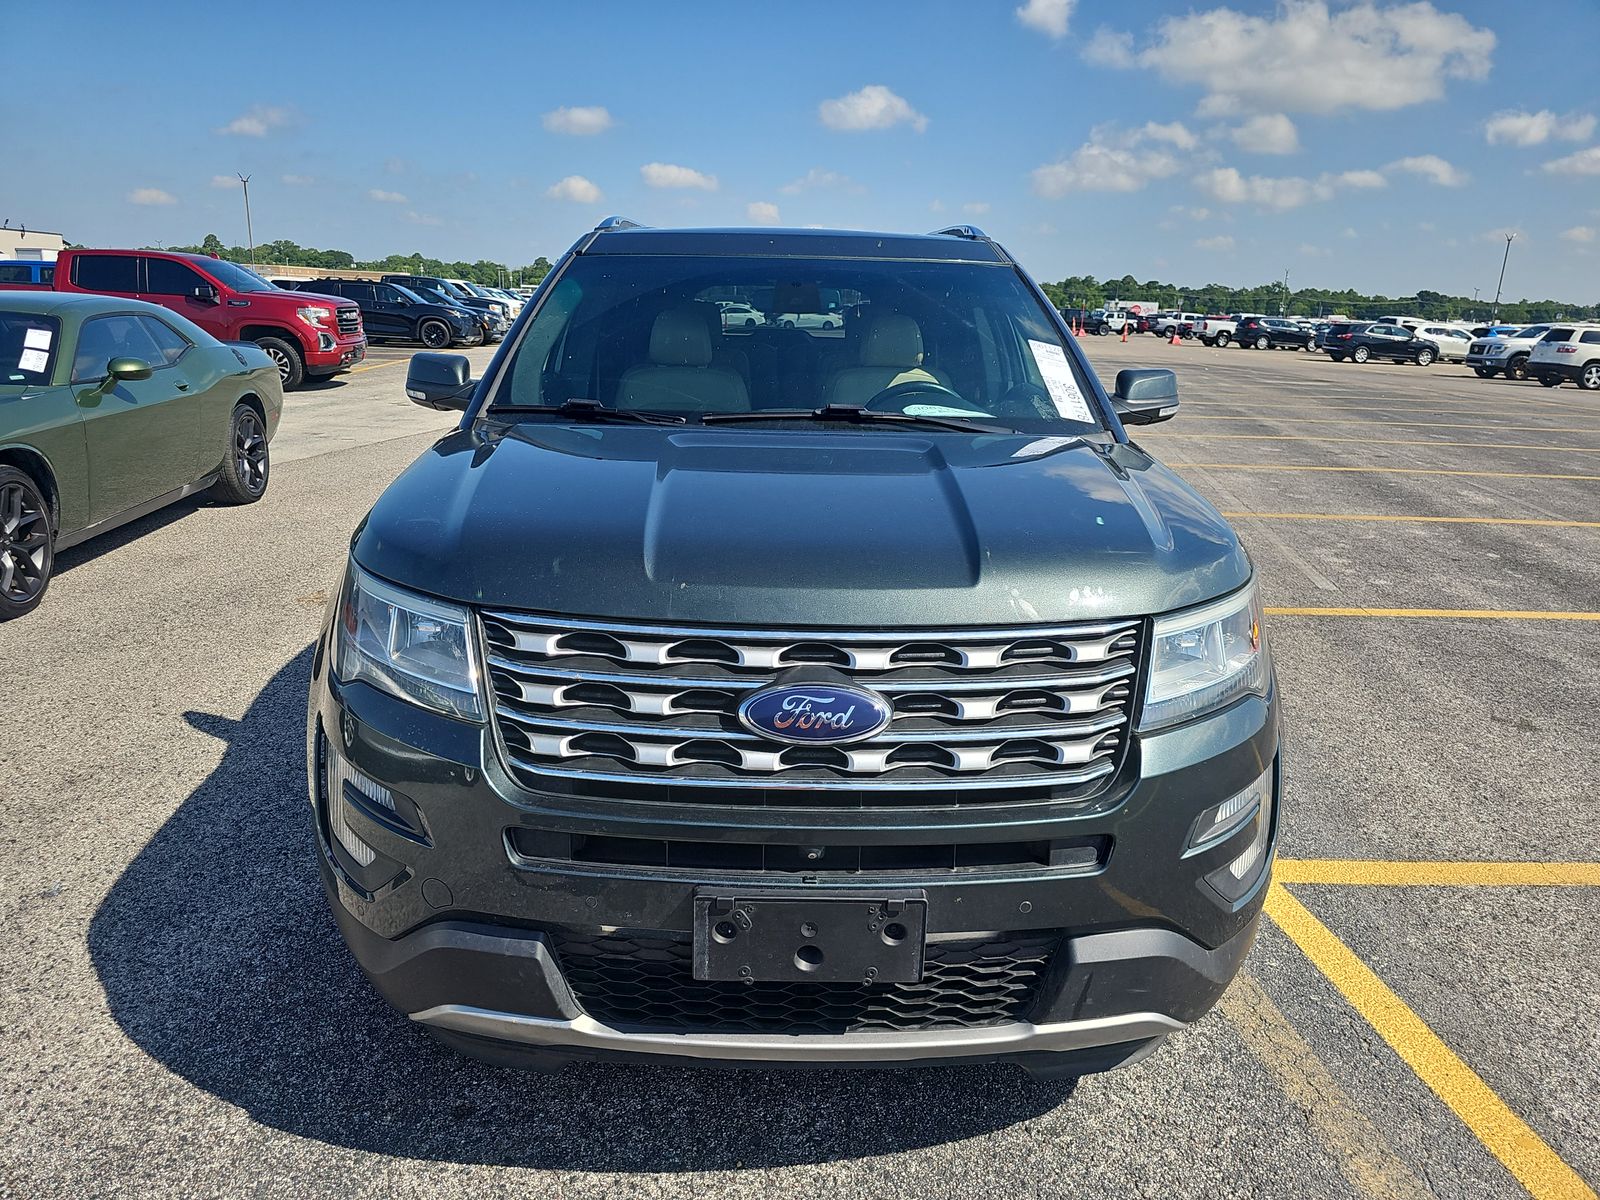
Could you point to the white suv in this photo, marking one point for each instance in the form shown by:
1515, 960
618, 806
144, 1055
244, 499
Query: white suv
1506, 355
1568, 352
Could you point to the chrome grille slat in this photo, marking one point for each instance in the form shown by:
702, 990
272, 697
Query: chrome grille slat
617, 702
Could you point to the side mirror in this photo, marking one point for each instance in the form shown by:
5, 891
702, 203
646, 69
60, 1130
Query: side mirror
205, 294
128, 370
440, 381
1145, 397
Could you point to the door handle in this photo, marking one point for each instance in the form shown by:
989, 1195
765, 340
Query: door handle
183, 387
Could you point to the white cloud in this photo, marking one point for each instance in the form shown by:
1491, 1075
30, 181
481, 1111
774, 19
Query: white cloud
383, 197
1269, 133
151, 196
1305, 57
575, 188
297, 180
666, 175
976, 207
817, 177
1048, 16
1109, 48
579, 122
1114, 160
873, 107
761, 212
258, 121
1517, 128
1227, 185
1356, 179
1581, 235
224, 181
1220, 242
1432, 168
1584, 162
417, 218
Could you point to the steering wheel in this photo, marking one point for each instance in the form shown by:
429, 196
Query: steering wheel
911, 386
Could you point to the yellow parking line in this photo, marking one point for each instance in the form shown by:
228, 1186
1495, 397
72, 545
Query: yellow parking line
1360, 1150
1484, 614
393, 362
1507, 1136
1210, 466
1279, 516
1317, 437
1372, 872
1393, 424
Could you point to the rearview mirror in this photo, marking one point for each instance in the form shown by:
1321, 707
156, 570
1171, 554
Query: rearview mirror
1144, 397
440, 381
204, 293
128, 370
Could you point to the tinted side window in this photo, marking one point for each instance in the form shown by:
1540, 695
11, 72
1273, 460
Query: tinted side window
106, 272
105, 338
1591, 338
47, 274
163, 277
1559, 335
168, 340
15, 273
362, 293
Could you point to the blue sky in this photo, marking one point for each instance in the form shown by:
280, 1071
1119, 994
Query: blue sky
1375, 145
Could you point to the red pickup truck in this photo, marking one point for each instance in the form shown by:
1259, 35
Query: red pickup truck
308, 336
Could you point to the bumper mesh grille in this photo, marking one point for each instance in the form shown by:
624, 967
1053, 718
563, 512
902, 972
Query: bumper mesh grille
646, 980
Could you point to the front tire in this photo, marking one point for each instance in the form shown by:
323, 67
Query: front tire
1263, 342
435, 335
1361, 354
27, 544
1424, 358
287, 358
247, 463
1222, 341
1517, 368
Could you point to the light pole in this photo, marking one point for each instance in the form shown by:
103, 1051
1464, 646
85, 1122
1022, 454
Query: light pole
1285, 312
1495, 311
249, 232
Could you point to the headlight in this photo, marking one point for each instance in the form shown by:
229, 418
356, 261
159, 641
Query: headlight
410, 646
1205, 658
1497, 349
315, 315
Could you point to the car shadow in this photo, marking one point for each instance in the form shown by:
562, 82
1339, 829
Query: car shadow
122, 535
220, 960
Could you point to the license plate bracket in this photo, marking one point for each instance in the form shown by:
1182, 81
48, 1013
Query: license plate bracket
784, 937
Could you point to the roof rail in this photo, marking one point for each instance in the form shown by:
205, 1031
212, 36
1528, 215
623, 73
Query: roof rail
971, 232
616, 222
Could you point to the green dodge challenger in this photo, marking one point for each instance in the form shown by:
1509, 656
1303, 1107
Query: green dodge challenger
110, 409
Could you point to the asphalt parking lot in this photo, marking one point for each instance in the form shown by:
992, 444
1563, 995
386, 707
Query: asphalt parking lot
179, 1017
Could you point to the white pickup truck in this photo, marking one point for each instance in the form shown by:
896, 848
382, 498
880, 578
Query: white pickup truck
1220, 331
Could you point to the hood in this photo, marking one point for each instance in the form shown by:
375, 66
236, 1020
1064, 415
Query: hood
308, 298
787, 528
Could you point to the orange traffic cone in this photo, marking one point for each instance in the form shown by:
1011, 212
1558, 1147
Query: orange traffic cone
1175, 341
1124, 331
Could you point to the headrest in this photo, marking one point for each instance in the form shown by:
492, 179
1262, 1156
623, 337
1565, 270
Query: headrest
892, 340
679, 338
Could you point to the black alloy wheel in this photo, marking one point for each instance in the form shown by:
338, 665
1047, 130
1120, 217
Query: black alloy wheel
27, 550
248, 465
1517, 368
433, 334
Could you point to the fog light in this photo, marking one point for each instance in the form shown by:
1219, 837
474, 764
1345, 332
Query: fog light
340, 773
1222, 821
1240, 875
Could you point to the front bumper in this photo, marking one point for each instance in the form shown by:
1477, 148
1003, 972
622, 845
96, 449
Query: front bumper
1496, 362
342, 353
464, 934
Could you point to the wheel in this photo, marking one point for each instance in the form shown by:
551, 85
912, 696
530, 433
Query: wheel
1517, 368
1361, 354
786, 324
749, 322
1550, 380
435, 335
1589, 377
1424, 358
1485, 372
1222, 340
829, 325
1263, 342
27, 546
247, 465
286, 357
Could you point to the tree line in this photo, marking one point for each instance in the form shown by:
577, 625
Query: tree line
1085, 291
288, 254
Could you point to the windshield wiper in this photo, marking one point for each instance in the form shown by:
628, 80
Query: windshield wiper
852, 414
590, 410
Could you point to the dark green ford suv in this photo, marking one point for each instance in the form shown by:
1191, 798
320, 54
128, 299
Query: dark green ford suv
844, 688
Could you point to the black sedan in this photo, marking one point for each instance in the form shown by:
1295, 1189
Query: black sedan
1359, 343
1271, 333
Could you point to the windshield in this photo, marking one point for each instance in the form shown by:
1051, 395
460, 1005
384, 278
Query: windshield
407, 293
232, 275
700, 336
27, 348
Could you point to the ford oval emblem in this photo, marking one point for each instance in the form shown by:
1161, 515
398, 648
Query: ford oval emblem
815, 714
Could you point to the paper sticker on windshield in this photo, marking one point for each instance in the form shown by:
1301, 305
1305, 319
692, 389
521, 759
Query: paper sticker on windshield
32, 360
37, 339
1059, 381
941, 410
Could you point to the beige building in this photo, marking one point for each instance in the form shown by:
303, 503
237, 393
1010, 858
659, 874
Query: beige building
36, 244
